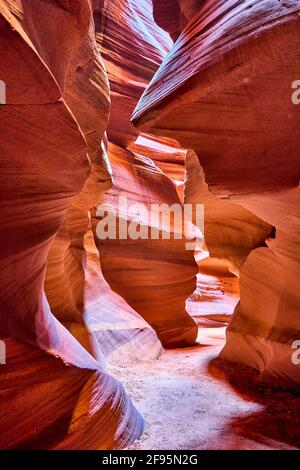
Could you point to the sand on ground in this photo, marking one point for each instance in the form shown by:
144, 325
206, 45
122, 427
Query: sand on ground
191, 399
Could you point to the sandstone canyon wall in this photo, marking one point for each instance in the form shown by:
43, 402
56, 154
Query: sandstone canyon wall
72, 254
51, 136
224, 90
60, 319
144, 272
215, 126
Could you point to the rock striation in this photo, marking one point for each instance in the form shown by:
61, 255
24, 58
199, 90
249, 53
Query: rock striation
144, 271
225, 91
60, 319
217, 124
51, 128
154, 275
132, 47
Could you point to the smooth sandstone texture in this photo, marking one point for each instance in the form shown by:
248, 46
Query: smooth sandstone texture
66, 283
167, 14
46, 157
133, 46
154, 276
86, 92
123, 335
231, 231
225, 91
173, 15
46, 404
166, 153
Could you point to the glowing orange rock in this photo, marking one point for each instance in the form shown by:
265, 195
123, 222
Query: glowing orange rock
44, 165
155, 276
225, 90
141, 271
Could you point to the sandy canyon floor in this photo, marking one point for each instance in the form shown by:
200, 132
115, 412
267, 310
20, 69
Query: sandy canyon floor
190, 399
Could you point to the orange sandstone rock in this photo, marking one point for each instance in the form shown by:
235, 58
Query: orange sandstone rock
47, 153
225, 91
154, 276
141, 271
133, 47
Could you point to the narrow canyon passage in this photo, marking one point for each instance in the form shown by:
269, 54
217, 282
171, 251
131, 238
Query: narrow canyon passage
150, 221
191, 399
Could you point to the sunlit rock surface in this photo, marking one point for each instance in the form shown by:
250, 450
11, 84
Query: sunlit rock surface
123, 335
67, 285
225, 91
217, 292
155, 276
166, 153
216, 126
231, 231
86, 92
132, 46
144, 272
55, 170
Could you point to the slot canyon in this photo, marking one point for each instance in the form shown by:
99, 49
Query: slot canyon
120, 327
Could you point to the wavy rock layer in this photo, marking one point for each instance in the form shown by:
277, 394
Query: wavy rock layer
123, 335
173, 15
155, 277
62, 407
133, 46
231, 231
225, 91
166, 153
49, 130
86, 93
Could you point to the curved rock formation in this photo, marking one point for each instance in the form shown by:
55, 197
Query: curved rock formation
217, 125
55, 168
124, 337
173, 15
231, 231
155, 276
87, 95
60, 406
133, 47
86, 92
167, 155
44, 165
225, 91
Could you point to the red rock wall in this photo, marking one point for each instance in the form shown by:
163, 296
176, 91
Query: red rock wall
133, 46
155, 277
55, 169
225, 91
173, 15
50, 133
